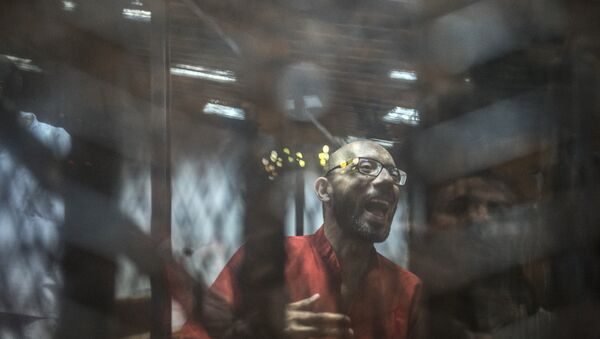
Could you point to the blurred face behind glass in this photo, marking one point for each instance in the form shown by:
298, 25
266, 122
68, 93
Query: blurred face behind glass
474, 230
478, 233
474, 204
364, 205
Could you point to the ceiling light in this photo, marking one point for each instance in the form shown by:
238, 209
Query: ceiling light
203, 73
310, 101
137, 14
224, 111
404, 115
403, 75
68, 6
24, 64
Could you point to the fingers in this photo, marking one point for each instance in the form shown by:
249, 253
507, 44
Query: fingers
304, 324
304, 302
311, 331
324, 319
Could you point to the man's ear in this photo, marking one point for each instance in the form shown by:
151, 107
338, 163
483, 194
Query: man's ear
323, 189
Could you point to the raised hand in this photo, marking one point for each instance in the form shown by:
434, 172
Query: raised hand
305, 324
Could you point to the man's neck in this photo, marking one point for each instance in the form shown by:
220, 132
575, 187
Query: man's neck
352, 253
353, 256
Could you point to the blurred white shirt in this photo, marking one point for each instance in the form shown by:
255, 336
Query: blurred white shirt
30, 218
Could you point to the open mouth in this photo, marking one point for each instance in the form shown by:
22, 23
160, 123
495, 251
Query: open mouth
378, 207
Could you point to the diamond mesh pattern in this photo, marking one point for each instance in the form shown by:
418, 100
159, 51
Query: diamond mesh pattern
207, 212
134, 201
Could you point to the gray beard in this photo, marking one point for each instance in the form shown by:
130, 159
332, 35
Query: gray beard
364, 232
350, 223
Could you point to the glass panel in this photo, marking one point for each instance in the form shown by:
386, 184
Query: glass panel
165, 169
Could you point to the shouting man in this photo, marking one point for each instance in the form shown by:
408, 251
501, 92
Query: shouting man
337, 284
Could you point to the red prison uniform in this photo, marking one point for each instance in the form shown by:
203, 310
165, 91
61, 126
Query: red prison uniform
386, 305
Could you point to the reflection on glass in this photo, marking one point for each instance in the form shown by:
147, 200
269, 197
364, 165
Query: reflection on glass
403, 115
137, 14
224, 111
403, 75
203, 73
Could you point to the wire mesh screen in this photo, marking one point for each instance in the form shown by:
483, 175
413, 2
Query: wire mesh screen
207, 207
134, 201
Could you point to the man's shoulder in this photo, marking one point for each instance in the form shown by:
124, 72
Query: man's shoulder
299, 238
293, 245
297, 243
396, 272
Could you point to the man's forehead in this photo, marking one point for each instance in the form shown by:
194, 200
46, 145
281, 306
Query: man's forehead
367, 149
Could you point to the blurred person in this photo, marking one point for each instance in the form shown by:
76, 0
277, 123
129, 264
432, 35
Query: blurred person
470, 261
337, 284
30, 218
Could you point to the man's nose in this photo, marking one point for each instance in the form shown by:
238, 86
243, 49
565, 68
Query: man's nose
478, 212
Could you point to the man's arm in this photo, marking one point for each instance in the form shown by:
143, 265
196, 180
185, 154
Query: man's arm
416, 315
214, 316
218, 317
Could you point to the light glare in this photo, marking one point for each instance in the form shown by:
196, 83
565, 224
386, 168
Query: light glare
310, 101
69, 6
137, 14
203, 73
405, 115
384, 143
24, 64
403, 75
224, 111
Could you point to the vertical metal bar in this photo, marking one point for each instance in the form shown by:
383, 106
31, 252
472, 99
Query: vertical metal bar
300, 110
299, 199
262, 272
161, 163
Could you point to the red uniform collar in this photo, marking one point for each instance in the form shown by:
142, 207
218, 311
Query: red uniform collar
325, 250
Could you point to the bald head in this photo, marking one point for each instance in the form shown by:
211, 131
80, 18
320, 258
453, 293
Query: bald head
361, 148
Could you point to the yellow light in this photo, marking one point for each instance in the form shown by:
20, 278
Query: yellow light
273, 156
326, 156
325, 148
279, 164
286, 150
321, 156
290, 159
299, 155
323, 162
301, 163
